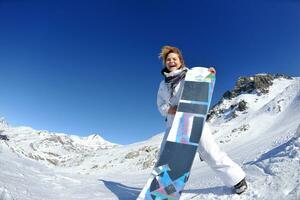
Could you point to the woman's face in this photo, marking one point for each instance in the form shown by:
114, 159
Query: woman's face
173, 62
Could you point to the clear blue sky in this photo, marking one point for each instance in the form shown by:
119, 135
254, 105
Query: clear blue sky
83, 67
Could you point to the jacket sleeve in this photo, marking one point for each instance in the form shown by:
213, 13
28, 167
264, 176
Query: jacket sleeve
162, 103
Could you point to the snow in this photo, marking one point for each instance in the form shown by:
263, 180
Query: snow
264, 140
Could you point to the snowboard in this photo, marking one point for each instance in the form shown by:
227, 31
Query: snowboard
172, 170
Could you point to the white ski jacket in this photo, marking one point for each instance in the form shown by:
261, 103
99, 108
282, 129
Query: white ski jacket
165, 100
218, 160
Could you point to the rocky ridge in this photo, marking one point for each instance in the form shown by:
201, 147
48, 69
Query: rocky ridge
258, 84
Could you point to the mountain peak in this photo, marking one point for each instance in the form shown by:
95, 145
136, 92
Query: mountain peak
3, 123
246, 91
258, 83
95, 140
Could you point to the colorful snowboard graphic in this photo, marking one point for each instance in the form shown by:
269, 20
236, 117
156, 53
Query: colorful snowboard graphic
172, 169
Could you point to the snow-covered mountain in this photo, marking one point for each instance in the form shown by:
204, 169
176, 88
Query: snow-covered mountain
257, 124
54, 149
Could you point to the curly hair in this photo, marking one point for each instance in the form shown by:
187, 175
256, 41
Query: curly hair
166, 50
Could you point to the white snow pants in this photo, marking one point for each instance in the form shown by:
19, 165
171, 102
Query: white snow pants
229, 172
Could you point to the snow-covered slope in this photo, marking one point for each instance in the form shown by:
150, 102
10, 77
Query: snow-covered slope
257, 124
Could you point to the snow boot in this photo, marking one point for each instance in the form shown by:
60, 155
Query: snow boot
240, 187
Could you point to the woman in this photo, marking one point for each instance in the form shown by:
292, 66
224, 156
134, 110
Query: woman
167, 100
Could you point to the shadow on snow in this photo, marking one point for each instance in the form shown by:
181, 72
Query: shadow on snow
123, 192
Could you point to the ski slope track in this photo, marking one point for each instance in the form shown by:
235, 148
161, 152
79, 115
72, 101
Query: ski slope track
259, 130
